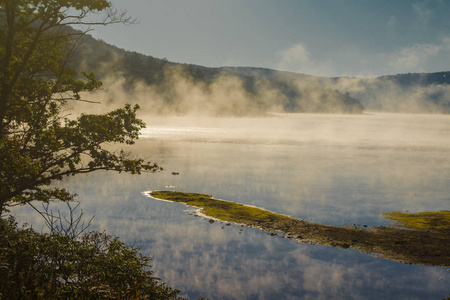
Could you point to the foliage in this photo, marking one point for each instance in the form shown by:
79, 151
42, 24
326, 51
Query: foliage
41, 143
55, 266
38, 144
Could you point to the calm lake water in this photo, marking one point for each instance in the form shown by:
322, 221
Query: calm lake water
331, 169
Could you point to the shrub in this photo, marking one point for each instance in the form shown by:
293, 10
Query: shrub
54, 266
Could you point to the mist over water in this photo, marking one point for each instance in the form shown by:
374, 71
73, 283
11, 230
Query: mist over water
180, 95
311, 159
228, 95
378, 94
375, 130
330, 169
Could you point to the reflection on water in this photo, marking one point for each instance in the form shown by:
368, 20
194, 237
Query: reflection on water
333, 169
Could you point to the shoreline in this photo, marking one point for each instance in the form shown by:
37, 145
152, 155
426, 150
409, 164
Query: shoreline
429, 246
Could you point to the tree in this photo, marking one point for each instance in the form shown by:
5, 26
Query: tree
38, 144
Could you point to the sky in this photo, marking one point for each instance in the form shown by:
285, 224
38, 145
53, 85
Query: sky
358, 38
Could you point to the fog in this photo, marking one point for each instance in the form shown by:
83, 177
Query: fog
229, 95
180, 95
164, 88
386, 96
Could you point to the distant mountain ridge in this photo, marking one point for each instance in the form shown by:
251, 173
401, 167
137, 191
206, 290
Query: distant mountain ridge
228, 91
409, 92
422, 79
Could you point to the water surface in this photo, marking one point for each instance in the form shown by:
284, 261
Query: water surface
332, 169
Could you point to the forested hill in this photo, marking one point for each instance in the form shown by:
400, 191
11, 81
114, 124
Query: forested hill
165, 87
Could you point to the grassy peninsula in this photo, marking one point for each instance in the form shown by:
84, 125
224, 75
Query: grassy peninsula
422, 238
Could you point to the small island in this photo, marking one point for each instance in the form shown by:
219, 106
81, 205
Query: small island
415, 238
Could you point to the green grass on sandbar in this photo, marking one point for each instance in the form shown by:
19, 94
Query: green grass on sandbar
426, 239
422, 220
220, 209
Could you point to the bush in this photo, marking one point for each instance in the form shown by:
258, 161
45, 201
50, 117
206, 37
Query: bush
54, 266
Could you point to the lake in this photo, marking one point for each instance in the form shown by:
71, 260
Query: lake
331, 169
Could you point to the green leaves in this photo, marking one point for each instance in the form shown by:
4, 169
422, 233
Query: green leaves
54, 266
47, 152
37, 143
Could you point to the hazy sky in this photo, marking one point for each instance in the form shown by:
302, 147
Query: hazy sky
319, 37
